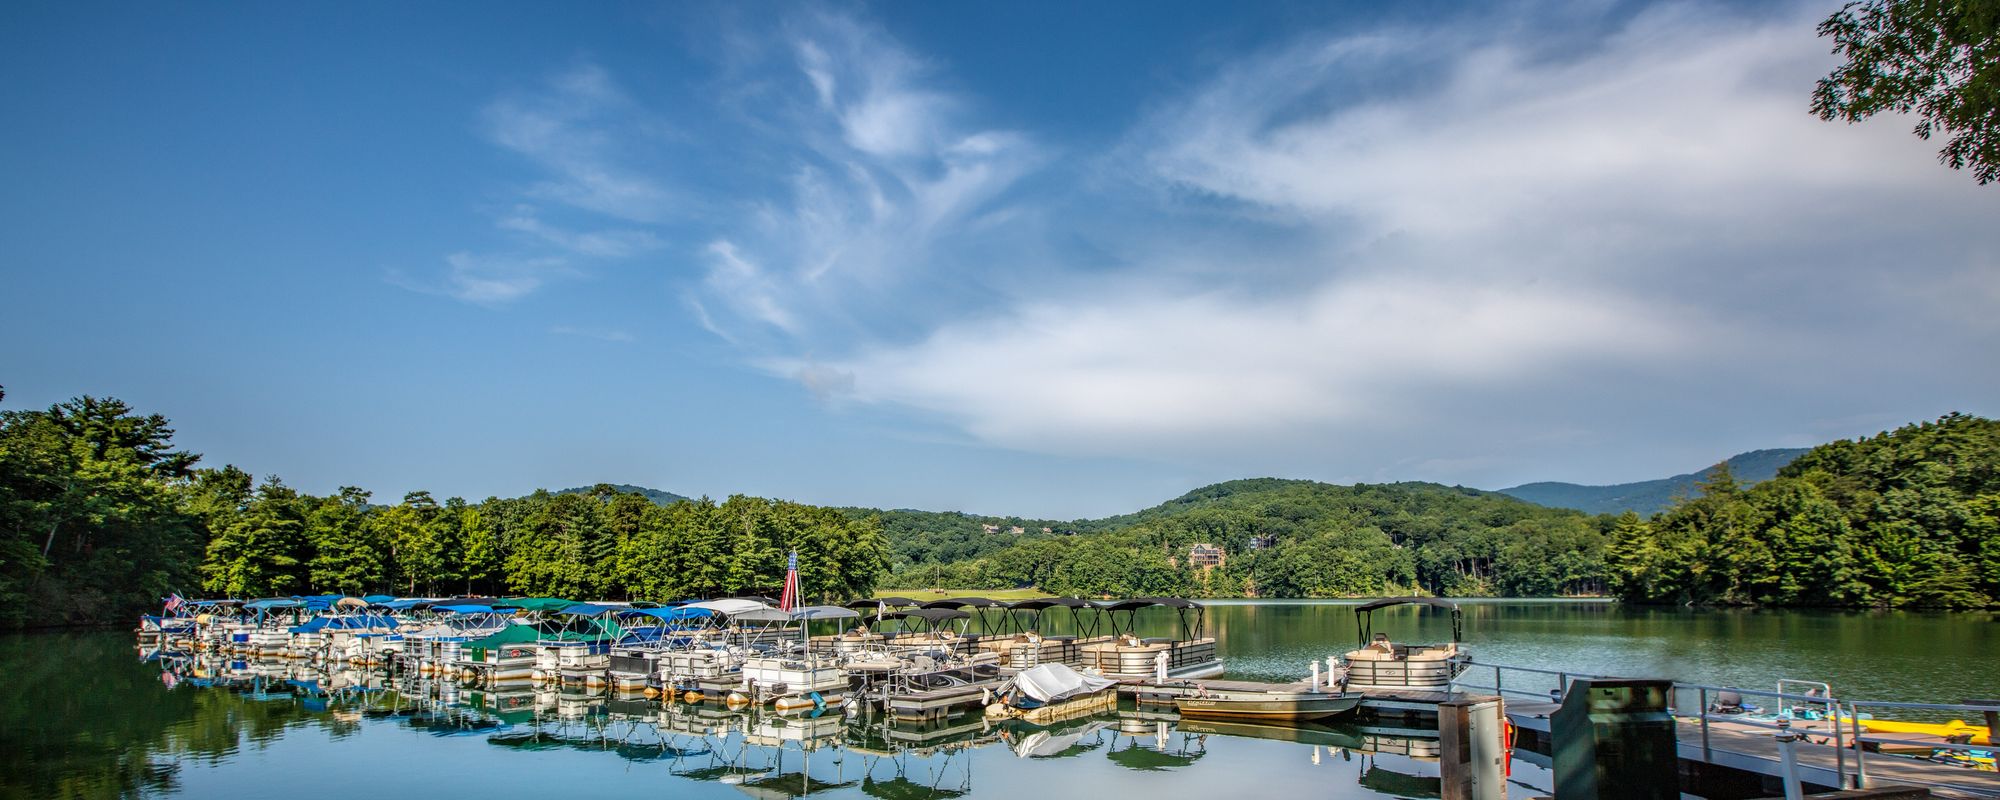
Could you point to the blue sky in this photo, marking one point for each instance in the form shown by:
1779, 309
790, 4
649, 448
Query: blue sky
1041, 259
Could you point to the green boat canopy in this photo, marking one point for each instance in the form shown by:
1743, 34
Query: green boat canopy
512, 634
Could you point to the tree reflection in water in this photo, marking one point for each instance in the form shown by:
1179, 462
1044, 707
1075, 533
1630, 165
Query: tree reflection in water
88, 719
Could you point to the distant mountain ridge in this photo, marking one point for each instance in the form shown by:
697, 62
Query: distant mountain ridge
1648, 497
1642, 497
655, 495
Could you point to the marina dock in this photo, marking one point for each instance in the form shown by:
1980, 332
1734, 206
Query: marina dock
1714, 748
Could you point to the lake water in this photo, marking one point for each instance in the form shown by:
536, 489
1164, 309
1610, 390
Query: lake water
87, 717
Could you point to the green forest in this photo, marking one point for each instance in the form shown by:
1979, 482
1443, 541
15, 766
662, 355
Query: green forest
1910, 517
100, 516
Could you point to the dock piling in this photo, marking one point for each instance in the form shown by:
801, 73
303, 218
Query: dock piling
1788, 759
1472, 749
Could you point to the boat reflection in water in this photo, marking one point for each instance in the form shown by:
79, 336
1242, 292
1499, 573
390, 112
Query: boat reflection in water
833, 754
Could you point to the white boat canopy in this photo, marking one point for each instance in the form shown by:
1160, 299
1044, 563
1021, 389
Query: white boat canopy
731, 607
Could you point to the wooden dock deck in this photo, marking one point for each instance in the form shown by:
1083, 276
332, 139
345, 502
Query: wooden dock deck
1753, 749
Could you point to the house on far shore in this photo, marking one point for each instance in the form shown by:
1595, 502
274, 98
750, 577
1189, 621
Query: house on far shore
1204, 555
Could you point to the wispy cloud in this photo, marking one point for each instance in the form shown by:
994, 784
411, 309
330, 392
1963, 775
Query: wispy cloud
616, 243
600, 334
588, 139
486, 280
583, 131
886, 167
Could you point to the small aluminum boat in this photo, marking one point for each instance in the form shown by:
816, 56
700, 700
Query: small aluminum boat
1302, 704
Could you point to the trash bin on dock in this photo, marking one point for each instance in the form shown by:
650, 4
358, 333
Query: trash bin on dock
1613, 739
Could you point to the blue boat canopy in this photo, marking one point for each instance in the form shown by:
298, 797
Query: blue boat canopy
400, 605
675, 614
464, 608
272, 602
377, 598
592, 610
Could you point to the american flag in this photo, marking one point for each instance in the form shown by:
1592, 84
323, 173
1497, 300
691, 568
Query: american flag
174, 602
790, 598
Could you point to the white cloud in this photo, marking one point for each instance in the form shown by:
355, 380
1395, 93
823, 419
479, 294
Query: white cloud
1520, 244
1163, 374
746, 287
486, 280
617, 243
582, 130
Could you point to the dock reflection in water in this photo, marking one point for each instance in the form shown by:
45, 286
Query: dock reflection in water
273, 725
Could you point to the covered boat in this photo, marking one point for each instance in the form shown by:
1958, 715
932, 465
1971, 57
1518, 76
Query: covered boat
1379, 664
1051, 692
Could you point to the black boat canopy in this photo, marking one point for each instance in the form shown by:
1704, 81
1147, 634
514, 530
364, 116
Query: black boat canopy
1365, 614
883, 602
1191, 614
1435, 602
1039, 603
931, 615
1143, 602
963, 602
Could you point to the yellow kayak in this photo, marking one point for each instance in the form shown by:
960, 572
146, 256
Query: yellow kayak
1944, 730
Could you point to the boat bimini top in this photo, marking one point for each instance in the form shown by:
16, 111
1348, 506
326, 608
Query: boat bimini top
1192, 614
1364, 614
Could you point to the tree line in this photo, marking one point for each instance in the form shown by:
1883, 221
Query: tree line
100, 517
1910, 517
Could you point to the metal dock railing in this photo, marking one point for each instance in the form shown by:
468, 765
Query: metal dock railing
1833, 751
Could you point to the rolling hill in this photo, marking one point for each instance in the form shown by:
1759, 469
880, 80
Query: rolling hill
1647, 497
655, 495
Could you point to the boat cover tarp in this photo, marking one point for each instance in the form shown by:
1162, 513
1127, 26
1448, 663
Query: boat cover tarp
400, 605
377, 598
591, 610
1049, 683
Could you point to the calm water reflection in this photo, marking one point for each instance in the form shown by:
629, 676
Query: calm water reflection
86, 717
